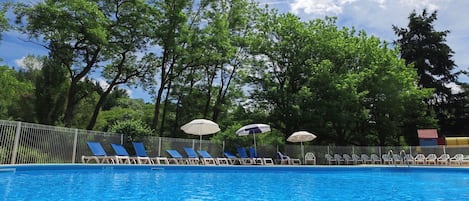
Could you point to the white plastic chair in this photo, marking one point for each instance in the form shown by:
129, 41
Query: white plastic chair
310, 159
456, 159
420, 159
443, 159
431, 159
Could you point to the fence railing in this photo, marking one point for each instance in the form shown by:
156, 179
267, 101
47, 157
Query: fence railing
22, 143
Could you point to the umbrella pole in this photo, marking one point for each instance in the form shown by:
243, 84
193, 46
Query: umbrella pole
255, 147
303, 152
200, 143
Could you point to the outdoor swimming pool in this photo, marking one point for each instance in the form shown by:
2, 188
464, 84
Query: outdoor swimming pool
142, 182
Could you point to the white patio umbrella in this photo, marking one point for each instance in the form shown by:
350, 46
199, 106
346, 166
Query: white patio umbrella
200, 127
301, 136
253, 129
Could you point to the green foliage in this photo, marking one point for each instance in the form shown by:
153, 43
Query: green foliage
228, 61
126, 108
51, 85
113, 98
134, 130
426, 49
13, 93
315, 76
81, 116
3, 20
74, 31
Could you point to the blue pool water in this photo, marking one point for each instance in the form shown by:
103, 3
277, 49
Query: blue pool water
95, 182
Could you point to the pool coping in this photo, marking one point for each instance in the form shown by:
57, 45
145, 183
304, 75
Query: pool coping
280, 168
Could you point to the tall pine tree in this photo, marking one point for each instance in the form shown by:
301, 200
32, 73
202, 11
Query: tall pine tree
426, 49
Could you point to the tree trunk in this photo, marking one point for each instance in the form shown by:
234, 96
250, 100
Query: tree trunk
210, 79
222, 94
72, 100
68, 116
98, 106
163, 118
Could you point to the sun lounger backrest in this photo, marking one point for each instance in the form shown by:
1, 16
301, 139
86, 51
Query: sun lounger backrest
140, 149
120, 150
229, 154
282, 156
191, 152
96, 148
204, 154
174, 153
253, 152
242, 152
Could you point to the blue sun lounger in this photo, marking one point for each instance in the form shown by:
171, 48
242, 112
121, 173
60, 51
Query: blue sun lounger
140, 151
207, 159
142, 156
176, 157
233, 160
243, 155
259, 160
99, 154
122, 155
192, 156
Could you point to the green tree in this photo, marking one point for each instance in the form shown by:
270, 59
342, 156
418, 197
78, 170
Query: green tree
426, 49
113, 98
12, 91
206, 80
28, 71
75, 29
172, 31
347, 87
134, 130
3, 20
51, 85
129, 26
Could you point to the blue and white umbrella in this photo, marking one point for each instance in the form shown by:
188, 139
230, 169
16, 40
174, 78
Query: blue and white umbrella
253, 129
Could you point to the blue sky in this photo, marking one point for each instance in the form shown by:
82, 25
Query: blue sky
376, 17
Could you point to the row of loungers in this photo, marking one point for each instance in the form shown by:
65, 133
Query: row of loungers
391, 159
193, 157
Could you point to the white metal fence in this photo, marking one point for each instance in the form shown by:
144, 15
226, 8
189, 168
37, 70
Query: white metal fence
22, 143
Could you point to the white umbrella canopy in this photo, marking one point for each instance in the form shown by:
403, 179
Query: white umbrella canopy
301, 136
253, 129
200, 127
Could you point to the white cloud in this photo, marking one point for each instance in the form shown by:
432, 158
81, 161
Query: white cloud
431, 5
381, 3
102, 83
319, 7
128, 91
29, 63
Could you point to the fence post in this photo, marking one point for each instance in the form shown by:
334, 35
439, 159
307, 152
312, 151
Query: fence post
15, 146
159, 146
75, 141
223, 147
